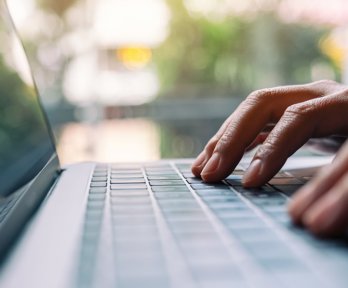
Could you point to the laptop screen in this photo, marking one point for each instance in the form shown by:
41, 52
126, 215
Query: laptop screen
25, 140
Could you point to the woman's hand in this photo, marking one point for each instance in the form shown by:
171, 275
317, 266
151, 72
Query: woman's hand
296, 114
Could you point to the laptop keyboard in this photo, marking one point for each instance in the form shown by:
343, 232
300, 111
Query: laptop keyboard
169, 229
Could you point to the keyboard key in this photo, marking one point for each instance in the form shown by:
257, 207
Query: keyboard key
101, 168
98, 184
101, 171
157, 165
129, 193
208, 258
188, 170
234, 177
129, 171
127, 176
161, 173
214, 192
95, 205
96, 197
134, 220
128, 186
261, 190
228, 205
194, 226
172, 195
184, 215
177, 188
94, 215
167, 203
209, 186
247, 223
232, 214
166, 182
183, 165
188, 175
234, 182
159, 169
96, 190
165, 177
131, 210
129, 200
128, 181
193, 237
100, 174
269, 203
182, 208
194, 180
230, 197
99, 179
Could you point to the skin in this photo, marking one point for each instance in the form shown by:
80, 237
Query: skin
281, 120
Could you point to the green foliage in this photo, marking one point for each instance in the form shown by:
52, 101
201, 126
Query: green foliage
234, 55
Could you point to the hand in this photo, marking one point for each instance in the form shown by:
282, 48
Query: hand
297, 113
322, 204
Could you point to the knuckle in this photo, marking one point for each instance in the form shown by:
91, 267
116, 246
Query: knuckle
266, 149
322, 87
261, 96
299, 111
324, 83
223, 143
343, 95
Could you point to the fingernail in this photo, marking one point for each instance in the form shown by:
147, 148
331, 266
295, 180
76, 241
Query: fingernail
212, 164
252, 172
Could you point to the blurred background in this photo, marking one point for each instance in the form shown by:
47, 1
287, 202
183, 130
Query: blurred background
136, 80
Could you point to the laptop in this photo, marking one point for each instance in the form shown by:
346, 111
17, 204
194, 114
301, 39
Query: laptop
137, 225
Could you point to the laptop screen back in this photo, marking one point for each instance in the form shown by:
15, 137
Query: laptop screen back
25, 140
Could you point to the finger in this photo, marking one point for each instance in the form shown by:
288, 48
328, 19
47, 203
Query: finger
250, 118
329, 215
205, 155
320, 184
293, 130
